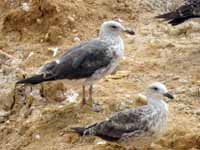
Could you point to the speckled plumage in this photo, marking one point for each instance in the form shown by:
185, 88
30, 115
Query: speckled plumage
134, 127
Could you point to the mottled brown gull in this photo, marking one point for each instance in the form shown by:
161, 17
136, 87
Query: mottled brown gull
135, 127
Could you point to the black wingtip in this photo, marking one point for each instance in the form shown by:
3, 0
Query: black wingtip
167, 16
178, 21
32, 80
79, 130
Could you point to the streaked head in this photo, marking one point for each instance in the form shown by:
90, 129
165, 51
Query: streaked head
158, 90
114, 28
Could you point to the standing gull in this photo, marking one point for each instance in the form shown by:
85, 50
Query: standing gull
135, 127
190, 9
91, 60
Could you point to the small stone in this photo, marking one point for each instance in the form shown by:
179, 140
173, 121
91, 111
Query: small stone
74, 31
194, 91
37, 136
71, 18
4, 114
197, 112
77, 39
101, 142
183, 81
54, 50
140, 100
25, 7
180, 91
2, 119
39, 21
175, 78
96, 107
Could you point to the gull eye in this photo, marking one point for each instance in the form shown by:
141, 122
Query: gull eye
155, 88
114, 26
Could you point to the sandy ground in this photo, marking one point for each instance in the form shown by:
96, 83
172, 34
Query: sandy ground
39, 117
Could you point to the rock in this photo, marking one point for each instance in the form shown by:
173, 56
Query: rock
183, 81
197, 112
71, 19
2, 119
36, 136
180, 90
140, 100
4, 113
77, 39
25, 7
53, 35
54, 91
70, 138
71, 96
118, 75
194, 91
54, 50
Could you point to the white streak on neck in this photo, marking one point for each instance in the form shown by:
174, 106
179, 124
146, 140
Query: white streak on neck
114, 40
158, 103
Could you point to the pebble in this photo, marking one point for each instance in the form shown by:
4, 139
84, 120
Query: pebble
96, 107
197, 112
183, 81
176, 78
71, 19
25, 7
77, 39
180, 90
2, 119
4, 114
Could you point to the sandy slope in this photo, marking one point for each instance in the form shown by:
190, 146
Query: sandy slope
158, 52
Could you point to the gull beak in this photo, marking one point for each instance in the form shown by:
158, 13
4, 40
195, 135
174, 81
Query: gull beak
129, 31
169, 95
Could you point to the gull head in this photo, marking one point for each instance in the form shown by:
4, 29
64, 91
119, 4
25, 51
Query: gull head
114, 28
157, 91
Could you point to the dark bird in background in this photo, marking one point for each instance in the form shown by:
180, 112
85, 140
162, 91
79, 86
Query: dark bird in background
190, 9
91, 60
135, 127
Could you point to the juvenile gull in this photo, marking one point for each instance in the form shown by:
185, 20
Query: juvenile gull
190, 9
135, 127
91, 60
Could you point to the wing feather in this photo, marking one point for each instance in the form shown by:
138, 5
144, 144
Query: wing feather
80, 62
122, 123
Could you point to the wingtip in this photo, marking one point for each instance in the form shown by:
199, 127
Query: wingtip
166, 16
79, 130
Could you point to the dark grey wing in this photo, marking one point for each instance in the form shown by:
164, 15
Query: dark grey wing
122, 123
191, 9
196, 7
81, 61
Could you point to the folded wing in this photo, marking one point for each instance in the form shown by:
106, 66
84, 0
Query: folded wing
79, 62
191, 9
119, 125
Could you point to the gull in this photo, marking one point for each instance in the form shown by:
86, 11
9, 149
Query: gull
138, 127
190, 9
91, 60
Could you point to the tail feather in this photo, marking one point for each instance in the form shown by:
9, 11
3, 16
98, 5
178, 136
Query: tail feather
177, 21
33, 80
174, 18
168, 16
79, 130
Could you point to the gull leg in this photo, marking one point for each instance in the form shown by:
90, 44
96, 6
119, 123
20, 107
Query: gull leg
83, 96
95, 106
90, 95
